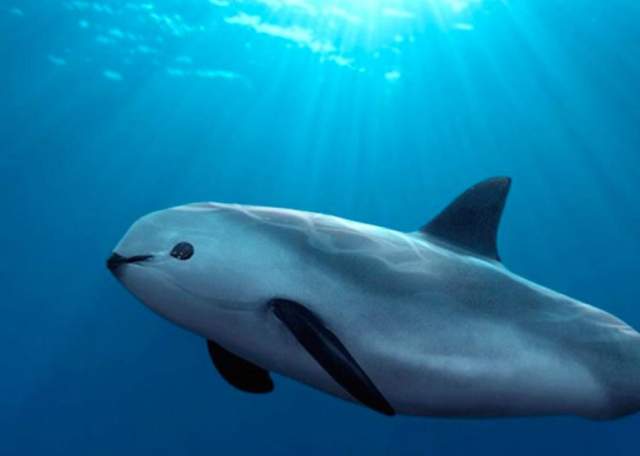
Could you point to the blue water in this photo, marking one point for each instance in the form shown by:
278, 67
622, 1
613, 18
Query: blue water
378, 111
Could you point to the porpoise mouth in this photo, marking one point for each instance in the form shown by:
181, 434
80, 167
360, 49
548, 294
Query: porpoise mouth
116, 260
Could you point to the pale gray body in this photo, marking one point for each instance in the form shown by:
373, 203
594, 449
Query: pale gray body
438, 330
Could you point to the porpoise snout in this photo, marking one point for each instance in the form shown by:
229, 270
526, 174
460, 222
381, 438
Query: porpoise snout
116, 260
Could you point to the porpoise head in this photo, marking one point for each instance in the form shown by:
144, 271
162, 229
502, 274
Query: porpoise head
190, 263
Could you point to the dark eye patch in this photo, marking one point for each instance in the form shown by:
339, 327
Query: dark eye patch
182, 251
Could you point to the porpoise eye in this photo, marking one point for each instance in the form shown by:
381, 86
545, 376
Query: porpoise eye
182, 251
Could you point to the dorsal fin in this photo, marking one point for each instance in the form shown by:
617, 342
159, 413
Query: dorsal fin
471, 222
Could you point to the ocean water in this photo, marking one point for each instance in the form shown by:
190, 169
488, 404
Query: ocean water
380, 111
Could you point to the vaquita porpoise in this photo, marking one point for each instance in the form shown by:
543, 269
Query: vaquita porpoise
422, 323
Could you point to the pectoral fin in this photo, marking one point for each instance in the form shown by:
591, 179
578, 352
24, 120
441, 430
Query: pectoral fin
239, 372
330, 353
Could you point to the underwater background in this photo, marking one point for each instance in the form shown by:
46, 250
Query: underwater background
380, 111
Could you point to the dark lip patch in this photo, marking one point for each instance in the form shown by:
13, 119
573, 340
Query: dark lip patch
116, 260
138, 258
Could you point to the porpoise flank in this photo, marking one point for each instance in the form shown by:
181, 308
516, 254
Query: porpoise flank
422, 323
